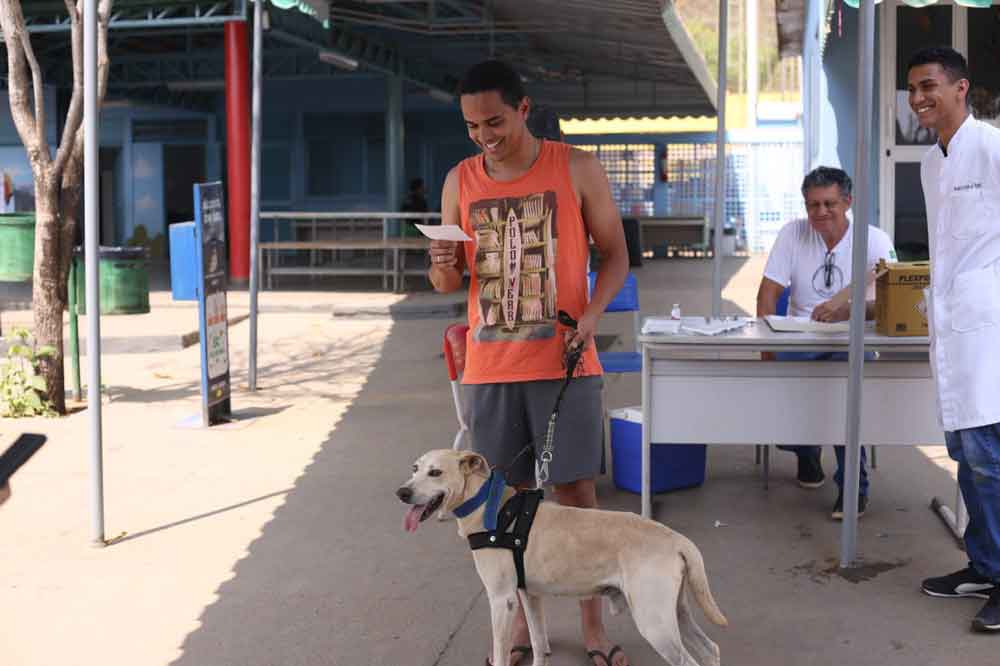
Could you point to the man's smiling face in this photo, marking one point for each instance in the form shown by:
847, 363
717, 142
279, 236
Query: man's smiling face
493, 125
934, 97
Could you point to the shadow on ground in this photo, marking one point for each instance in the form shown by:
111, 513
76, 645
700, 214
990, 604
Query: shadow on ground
333, 579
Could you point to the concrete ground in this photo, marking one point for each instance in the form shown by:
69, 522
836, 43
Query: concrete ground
277, 540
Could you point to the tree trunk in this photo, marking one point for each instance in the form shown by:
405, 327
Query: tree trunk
48, 302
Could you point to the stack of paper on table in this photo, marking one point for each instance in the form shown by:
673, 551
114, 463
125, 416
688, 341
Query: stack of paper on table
704, 326
691, 325
781, 324
661, 326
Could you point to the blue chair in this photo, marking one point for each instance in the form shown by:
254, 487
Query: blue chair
626, 300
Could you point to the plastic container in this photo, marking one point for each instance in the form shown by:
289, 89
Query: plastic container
183, 262
17, 247
124, 281
672, 466
675, 312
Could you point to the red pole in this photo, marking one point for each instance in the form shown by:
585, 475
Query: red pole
238, 147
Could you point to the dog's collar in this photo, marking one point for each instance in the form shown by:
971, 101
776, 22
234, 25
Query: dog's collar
490, 494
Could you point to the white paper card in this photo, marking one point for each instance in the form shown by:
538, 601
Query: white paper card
661, 326
448, 232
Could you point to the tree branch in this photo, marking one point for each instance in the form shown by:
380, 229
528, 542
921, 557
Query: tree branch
12, 23
39, 90
74, 116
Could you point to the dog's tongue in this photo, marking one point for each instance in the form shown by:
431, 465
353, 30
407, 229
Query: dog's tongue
411, 521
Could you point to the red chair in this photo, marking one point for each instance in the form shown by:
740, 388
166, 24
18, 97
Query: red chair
454, 356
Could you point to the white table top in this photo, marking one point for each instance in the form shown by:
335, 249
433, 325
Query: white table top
758, 335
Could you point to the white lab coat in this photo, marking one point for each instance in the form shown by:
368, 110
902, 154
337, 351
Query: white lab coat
962, 190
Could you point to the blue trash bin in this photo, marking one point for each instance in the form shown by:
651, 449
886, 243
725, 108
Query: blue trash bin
672, 466
183, 262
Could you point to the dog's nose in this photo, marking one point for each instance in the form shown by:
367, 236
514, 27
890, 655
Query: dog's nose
404, 493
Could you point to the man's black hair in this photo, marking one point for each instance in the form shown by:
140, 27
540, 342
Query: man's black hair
416, 184
543, 123
951, 61
493, 75
825, 177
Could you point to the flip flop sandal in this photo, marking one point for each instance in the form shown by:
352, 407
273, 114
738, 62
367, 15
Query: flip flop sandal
606, 657
517, 653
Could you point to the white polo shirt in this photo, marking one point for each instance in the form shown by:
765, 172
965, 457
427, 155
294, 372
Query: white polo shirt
800, 259
962, 191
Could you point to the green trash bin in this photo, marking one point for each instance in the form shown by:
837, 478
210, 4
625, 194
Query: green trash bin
124, 281
17, 246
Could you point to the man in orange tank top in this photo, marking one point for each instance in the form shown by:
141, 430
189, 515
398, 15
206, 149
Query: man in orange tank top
531, 206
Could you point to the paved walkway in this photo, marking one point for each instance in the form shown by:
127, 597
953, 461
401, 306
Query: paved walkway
278, 541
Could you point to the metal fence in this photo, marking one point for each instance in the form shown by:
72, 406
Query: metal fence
762, 183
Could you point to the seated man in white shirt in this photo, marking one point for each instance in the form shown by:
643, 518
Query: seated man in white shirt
812, 258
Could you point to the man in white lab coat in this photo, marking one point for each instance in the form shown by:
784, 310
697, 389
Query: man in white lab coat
961, 181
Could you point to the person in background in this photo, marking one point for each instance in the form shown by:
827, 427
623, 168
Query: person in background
543, 123
812, 258
416, 201
960, 176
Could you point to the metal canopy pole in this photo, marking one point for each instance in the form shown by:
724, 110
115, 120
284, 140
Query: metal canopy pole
859, 269
720, 161
258, 56
91, 260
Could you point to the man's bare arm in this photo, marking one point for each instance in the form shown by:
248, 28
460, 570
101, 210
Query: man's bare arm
447, 258
604, 224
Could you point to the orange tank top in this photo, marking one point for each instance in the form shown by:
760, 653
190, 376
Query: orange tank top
529, 261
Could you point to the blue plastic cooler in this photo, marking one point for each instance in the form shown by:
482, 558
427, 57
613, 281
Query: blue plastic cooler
672, 466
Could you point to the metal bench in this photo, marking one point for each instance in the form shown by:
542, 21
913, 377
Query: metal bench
393, 264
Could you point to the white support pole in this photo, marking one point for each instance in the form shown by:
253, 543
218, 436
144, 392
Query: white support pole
92, 259
859, 269
258, 57
720, 162
753, 71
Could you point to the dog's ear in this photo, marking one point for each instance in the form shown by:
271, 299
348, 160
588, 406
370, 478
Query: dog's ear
470, 461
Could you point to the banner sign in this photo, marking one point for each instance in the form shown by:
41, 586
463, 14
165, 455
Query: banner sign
213, 322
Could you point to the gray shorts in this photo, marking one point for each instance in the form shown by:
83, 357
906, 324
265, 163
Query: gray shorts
504, 418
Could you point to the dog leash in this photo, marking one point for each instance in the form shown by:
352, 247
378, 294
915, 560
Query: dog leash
570, 360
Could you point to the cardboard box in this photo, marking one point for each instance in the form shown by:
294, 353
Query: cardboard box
900, 309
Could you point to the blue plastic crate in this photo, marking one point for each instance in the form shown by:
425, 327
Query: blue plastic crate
672, 466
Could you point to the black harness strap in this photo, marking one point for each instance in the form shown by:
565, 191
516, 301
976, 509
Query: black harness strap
517, 515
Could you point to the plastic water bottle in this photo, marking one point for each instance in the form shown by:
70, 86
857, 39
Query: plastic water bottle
675, 311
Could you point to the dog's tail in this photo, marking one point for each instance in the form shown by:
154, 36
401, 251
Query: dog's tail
699, 582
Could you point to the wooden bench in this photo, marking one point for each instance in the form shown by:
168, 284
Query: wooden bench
685, 233
394, 248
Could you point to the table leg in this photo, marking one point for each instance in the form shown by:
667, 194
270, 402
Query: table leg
395, 270
647, 429
767, 465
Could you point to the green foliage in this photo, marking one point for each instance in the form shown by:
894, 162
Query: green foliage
22, 388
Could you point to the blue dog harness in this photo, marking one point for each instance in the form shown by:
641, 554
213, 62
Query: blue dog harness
506, 527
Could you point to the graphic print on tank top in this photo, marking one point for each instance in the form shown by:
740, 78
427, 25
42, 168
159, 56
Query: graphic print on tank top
516, 239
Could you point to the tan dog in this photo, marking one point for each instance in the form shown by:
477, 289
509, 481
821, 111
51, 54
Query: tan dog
636, 563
